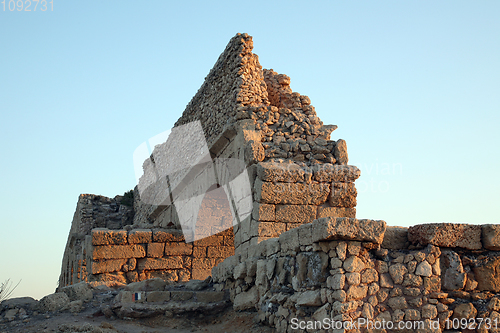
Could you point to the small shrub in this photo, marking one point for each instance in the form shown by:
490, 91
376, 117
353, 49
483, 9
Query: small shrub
128, 199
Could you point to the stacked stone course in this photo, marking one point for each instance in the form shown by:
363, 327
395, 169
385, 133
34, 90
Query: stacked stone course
344, 269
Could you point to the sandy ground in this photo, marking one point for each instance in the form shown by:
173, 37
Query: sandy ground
228, 321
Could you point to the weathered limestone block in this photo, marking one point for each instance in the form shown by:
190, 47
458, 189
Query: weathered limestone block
305, 234
335, 173
108, 266
289, 240
336, 281
178, 249
466, 236
424, 269
219, 251
113, 277
79, 291
309, 298
291, 193
397, 272
172, 235
466, 310
267, 229
356, 292
263, 212
491, 236
340, 152
118, 252
102, 236
280, 172
246, 300
395, 238
155, 250
146, 285
53, 302
254, 152
296, 213
180, 296
336, 212
343, 195
160, 263
158, 296
210, 296
138, 236
353, 264
397, 303
487, 274
330, 228
454, 275
205, 263
214, 240
312, 268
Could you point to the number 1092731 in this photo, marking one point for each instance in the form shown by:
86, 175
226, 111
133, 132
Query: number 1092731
27, 5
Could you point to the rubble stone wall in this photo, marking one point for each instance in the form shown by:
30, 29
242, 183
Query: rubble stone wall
345, 269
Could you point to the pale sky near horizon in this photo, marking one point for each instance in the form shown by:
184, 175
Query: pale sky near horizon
414, 87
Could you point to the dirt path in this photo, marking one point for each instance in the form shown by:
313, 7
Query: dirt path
228, 321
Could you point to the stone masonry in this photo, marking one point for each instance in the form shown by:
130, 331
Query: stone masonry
296, 172
300, 252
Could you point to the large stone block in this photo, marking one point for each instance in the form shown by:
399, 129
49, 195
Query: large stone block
466, 236
263, 212
118, 251
160, 263
289, 240
53, 302
178, 249
336, 173
395, 238
219, 251
108, 266
156, 284
102, 236
340, 152
487, 274
209, 241
343, 195
168, 235
79, 291
280, 172
330, 228
291, 193
204, 263
139, 236
155, 250
336, 212
296, 213
491, 236
246, 300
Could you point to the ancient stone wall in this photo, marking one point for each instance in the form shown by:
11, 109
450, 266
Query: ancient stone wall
250, 115
350, 270
92, 211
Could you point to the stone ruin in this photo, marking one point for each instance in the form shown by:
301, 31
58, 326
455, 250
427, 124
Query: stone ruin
294, 249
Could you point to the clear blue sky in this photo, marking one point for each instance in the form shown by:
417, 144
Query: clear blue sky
414, 87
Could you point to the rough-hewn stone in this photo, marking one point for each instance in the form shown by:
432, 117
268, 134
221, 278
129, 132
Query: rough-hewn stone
291, 193
329, 228
466, 236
